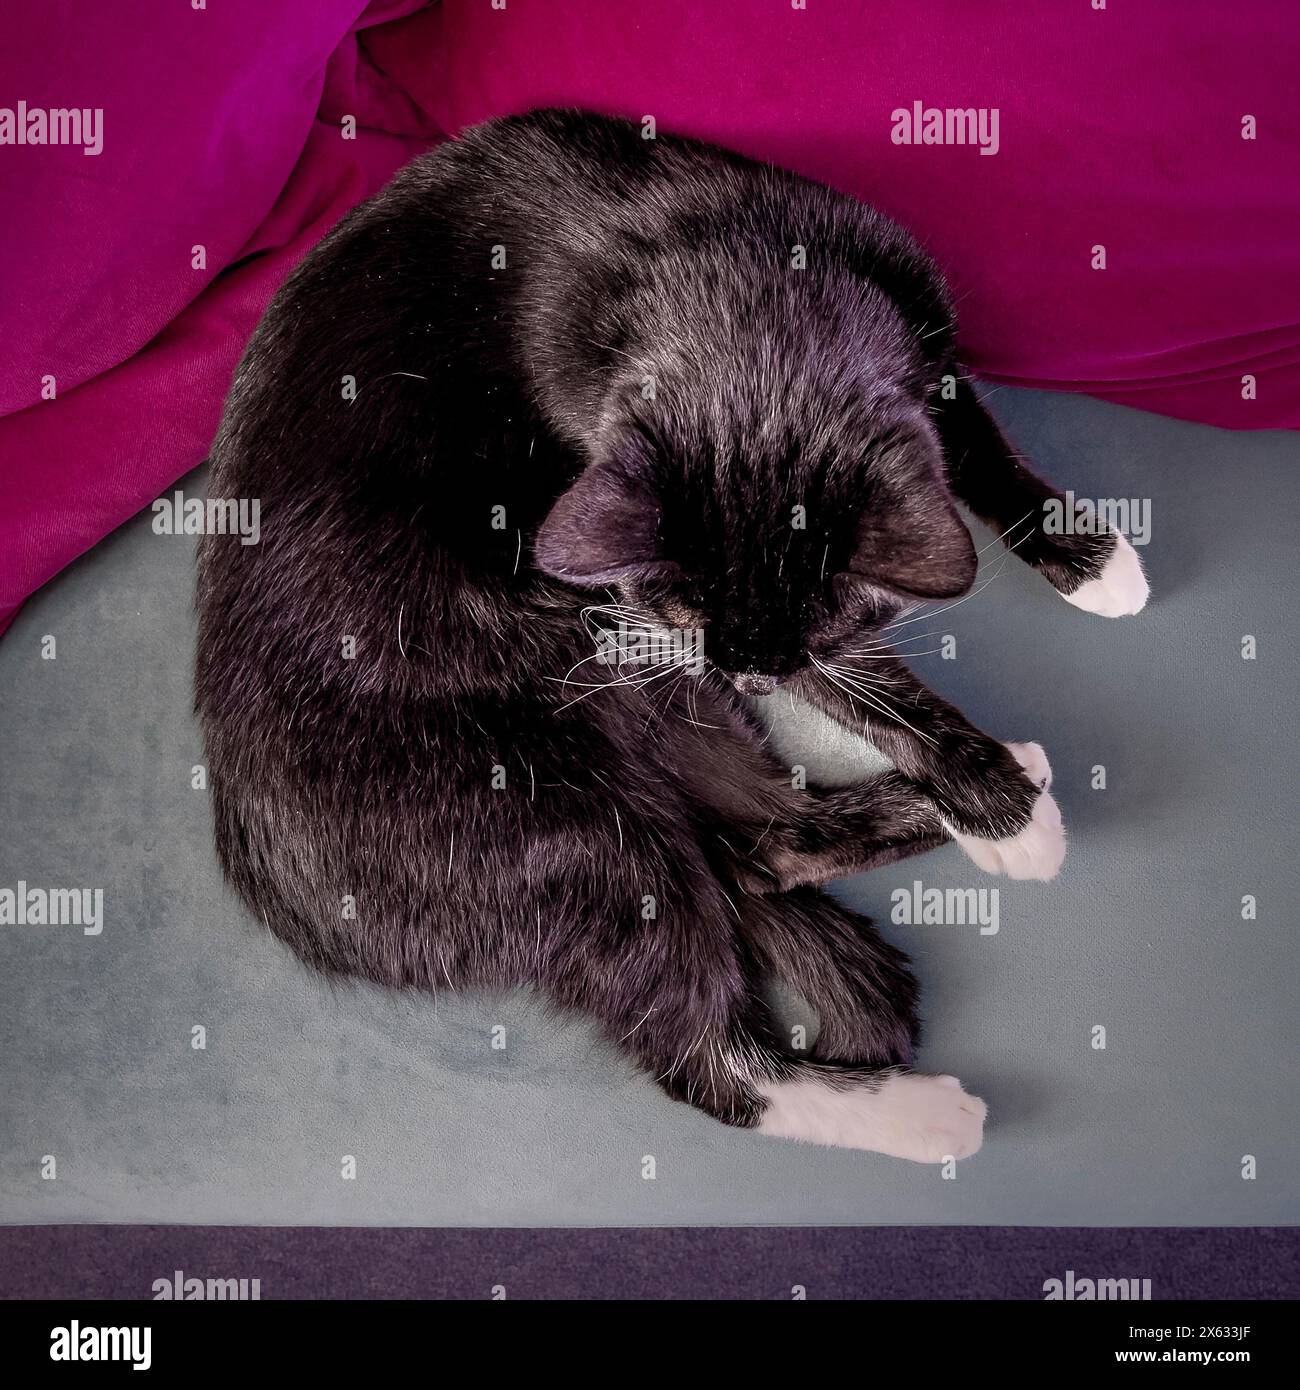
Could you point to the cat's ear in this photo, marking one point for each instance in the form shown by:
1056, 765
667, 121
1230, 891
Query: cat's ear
912, 541
603, 529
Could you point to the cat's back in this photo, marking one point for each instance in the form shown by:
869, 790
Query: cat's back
573, 177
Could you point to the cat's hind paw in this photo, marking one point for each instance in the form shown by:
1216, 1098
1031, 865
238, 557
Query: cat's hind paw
1119, 590
928, 1119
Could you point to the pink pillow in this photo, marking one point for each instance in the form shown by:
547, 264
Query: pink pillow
1116, 128
220, 128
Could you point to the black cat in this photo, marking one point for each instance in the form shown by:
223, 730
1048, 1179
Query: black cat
558, 381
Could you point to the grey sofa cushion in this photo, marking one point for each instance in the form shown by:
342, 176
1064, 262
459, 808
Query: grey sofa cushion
1142, 934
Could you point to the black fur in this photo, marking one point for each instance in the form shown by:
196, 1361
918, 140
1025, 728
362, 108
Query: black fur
593, 370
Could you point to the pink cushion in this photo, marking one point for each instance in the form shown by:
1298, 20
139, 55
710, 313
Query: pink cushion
1120, 128
221, 128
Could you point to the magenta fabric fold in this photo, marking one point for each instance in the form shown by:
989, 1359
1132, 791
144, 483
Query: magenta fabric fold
227, 128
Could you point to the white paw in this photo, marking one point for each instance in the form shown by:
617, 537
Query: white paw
1031, 757
1120, 589
1037, 851
928, 1119
932, 1118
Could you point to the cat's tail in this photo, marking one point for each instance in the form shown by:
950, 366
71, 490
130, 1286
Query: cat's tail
860, 986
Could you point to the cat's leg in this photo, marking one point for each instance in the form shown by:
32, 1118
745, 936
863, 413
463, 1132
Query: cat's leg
1097, 570
810, 837
770, 835
991, 797
658, 962
855, 1088
773, 837
682, 996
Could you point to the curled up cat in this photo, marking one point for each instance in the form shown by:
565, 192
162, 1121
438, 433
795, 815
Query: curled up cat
555, 382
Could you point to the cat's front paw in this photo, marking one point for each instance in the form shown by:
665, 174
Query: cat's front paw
1036, 852
1033, 762
1119, 590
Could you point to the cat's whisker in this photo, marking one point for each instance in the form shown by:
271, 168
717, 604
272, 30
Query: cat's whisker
897, 718
595, 656
885, 652
875, 637
624, 609
862, 678
594, 687
635, 680
686, 1056
1005, 533
974, 593
859, 679
885, 656
661, 708
893, 646
630, 620
853, 699
626, 617
844, 682
584, 685
693, 715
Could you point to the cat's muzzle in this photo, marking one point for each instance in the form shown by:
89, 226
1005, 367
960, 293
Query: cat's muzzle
752, 683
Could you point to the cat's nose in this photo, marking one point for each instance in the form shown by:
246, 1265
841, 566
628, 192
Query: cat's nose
751, 683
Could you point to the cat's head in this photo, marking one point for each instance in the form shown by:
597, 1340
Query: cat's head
780, 545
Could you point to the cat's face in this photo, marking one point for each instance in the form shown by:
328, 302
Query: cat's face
778, 556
